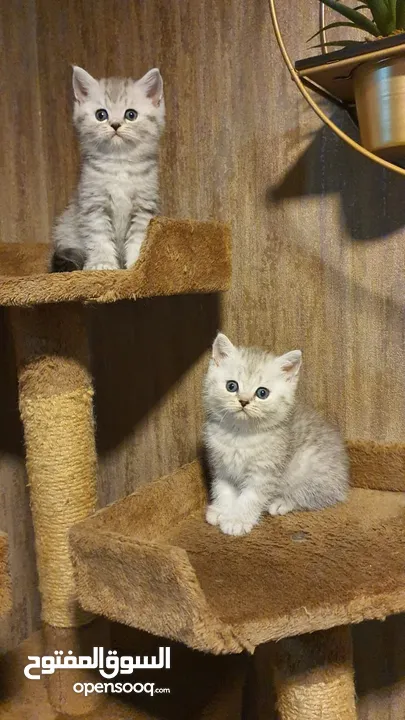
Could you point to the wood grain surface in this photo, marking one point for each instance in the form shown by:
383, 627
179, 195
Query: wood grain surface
318, 247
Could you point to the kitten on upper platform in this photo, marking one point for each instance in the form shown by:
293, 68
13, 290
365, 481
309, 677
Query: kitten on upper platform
267, 453
119, 123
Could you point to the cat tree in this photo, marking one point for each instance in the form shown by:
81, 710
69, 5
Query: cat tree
150, 561
55, 389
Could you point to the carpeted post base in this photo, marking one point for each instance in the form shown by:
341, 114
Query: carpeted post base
60, 685
314, 676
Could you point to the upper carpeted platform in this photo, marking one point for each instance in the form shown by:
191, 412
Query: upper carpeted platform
178, 257
152, 562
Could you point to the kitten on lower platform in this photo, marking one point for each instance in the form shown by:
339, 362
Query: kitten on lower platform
119, 123
266, 452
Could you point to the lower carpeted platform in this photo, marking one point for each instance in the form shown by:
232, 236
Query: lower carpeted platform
152, 562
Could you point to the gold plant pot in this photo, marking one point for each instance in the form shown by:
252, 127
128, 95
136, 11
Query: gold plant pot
380, 100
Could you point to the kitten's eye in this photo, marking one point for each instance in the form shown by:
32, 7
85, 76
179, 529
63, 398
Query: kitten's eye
101, 115
232, 386
262, 393
130, 114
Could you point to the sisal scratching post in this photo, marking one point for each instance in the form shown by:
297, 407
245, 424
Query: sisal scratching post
55, 398
314, 676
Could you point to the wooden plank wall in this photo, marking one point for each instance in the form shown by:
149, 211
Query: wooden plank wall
318, 247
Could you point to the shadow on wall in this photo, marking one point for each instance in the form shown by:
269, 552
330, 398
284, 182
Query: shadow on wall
11, 432
372, 198
139, 351
380, 684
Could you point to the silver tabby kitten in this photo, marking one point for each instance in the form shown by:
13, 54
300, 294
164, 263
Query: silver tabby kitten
119, 124
266, 452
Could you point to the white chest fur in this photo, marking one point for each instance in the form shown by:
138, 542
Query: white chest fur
236, 455
120, 198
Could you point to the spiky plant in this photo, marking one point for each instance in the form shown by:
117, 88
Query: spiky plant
382, 17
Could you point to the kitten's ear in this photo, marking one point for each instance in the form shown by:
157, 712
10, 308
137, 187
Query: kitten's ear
222, 348
290, 364
152, 85
83, 84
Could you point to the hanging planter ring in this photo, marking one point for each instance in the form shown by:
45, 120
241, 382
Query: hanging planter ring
313, 104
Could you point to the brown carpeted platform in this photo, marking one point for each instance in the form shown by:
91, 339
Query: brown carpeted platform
150, 561
178, 257
377, 466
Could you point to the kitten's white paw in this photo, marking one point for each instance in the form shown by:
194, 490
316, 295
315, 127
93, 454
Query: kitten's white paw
212, 515
100, 266
131, 262
235, 527
280, 507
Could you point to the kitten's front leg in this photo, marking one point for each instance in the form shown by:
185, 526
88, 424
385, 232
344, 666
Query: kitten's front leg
97, 235
137, 232
244, 514
224, 496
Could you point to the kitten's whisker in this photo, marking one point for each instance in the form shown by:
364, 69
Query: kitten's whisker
226, 412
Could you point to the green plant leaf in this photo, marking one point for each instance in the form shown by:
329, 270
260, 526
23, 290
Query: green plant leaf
360, 20
332, 25
337, 43
400, 14
383, 15
393, 8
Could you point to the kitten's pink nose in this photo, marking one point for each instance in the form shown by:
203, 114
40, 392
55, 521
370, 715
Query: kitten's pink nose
244, 402
115, 125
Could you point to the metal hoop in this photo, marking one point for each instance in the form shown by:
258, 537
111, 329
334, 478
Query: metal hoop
322, 34
304, 92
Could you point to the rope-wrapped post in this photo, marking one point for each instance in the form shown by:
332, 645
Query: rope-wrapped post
314, 676
55, 400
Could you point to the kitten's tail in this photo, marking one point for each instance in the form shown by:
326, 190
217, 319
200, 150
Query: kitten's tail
67, 260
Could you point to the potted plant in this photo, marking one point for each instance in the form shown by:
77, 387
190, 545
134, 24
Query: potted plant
379, 83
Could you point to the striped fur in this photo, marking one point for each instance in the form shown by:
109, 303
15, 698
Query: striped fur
118, 191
